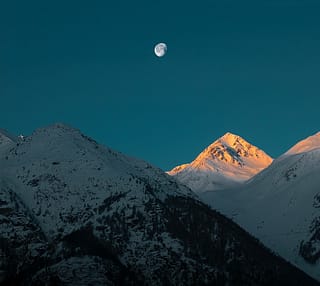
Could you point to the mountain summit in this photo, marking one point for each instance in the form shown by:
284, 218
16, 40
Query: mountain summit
281, 205
308, 144
226, 162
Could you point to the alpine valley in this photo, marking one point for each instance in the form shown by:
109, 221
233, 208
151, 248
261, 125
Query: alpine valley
277, 203
73, 212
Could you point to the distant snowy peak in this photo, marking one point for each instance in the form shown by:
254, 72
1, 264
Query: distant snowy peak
232, 150
229, 151
228, 159
308, 144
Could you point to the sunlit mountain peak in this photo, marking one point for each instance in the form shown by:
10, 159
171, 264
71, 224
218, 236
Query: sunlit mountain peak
228, 160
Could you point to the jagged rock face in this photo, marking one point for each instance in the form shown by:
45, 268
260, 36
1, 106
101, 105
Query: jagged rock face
84, 214
310, 246
310, 249
225, 163
17, 228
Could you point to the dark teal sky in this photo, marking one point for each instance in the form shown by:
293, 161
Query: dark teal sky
248, 67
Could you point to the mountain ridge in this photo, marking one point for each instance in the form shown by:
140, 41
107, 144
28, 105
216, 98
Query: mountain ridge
83, 206
308, 144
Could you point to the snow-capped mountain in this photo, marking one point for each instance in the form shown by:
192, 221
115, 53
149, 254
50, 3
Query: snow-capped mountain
227, 162
82, 214
281, 205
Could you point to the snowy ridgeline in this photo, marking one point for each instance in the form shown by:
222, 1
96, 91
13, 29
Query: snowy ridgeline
280, 205
94, 216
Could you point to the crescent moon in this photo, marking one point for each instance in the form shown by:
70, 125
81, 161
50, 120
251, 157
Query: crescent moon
160, 49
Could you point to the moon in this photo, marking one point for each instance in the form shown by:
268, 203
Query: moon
160, 49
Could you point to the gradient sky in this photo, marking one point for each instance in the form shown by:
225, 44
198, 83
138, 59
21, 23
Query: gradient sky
248, 67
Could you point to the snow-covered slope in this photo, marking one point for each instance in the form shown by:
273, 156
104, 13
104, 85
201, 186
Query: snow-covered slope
6, 140
308, 144
64, 171
225, 163
281, 205
82, 214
